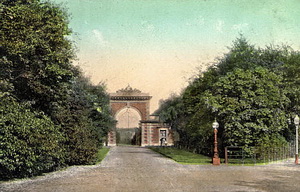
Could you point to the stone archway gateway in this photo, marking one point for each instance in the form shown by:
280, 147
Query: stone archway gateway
131, 109
129, 106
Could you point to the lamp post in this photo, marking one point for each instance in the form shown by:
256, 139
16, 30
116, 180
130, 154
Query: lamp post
216, 159
296, 121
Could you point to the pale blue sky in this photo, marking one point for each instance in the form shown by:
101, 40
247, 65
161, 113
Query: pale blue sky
156, 45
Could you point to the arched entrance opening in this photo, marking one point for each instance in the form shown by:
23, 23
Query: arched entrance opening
128, 126
128, 118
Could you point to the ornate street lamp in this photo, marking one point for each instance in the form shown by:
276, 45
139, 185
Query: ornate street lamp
296, 121
216, 159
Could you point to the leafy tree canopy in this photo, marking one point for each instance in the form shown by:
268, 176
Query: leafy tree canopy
251, 91
35, 54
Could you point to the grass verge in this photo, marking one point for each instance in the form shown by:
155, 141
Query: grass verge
182, 156
186, 157
102, 154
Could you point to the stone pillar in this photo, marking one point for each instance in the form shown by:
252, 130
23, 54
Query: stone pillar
112, 138
149, 135
144, 134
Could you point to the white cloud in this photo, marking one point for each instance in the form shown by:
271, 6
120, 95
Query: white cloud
219, 26
99, 37
240, 27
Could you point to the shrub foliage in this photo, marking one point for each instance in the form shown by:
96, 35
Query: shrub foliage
30, 141
51, 115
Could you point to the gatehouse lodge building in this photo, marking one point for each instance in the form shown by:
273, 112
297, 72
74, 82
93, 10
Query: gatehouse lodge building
134, 124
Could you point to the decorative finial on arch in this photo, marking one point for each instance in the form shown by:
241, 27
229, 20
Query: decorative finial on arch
128, 89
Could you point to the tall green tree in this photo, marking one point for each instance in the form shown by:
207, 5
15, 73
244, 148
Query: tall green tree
35, 54
249, 105
85, 119
253, 92
45, 88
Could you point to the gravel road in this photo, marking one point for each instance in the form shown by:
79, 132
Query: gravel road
139, 169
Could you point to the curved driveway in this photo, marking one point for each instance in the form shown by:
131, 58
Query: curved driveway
140, 169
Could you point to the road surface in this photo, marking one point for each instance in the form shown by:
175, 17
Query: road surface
139, 169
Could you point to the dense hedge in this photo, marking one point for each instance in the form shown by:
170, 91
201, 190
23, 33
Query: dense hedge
30, 142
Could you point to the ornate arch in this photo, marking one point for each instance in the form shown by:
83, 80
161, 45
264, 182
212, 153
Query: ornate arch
128, 98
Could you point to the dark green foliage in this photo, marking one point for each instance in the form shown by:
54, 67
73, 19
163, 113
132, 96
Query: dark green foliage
85, 120
249, 104
252, 92
241, 55
270, 143
57, 117
35, 55
30, 142
169, 110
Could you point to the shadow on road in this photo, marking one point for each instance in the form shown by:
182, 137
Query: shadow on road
279, 180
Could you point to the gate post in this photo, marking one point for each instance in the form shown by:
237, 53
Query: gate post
112, 138
226, 156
